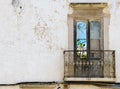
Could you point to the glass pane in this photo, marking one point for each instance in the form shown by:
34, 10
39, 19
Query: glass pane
81, 30
95, 27
95, 44
81, 35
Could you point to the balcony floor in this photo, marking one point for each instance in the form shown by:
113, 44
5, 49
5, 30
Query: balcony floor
90, 79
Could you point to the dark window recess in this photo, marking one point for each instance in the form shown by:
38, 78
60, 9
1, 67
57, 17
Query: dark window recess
87, 38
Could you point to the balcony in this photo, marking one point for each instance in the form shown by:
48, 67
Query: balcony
93, 65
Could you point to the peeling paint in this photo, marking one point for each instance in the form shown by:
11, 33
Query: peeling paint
42, 31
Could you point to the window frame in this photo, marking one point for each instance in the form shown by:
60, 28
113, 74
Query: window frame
88, 37
76, 15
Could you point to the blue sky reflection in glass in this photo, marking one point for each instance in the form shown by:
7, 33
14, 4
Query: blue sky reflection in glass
81, 35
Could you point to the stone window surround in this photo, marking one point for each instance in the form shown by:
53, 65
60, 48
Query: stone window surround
92, 11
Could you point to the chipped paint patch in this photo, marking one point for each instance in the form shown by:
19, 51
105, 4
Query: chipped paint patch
15, 3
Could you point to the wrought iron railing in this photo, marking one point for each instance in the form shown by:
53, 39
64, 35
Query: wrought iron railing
89, 64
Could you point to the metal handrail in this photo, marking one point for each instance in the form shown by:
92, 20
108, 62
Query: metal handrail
100, 63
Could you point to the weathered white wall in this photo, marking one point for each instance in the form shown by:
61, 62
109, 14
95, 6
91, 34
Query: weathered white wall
114, 32
33, 36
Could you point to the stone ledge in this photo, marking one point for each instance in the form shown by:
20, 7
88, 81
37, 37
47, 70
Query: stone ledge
91, 79
88, 1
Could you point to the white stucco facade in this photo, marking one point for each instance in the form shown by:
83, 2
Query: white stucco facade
33, 37
34, 34
114, 32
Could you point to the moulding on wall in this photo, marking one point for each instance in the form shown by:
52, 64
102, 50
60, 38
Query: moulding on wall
88, 5
88, 1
